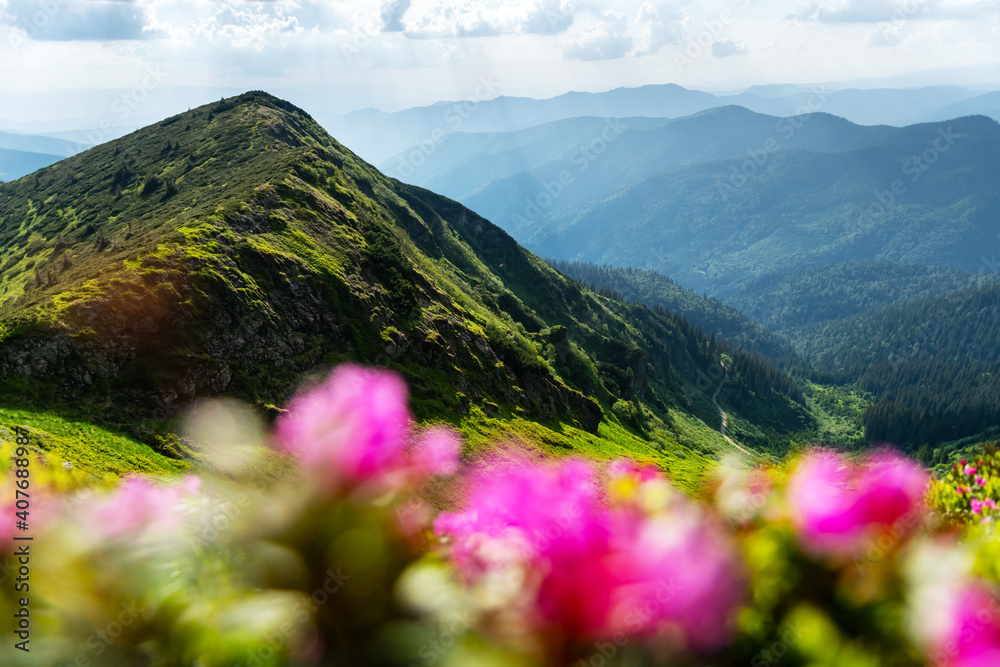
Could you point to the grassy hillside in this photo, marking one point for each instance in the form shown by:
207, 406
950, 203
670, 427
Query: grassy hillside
709, 314
238, 249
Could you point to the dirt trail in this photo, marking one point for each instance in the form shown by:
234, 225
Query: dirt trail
722, 412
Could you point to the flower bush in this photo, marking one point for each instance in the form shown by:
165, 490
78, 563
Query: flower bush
355, 536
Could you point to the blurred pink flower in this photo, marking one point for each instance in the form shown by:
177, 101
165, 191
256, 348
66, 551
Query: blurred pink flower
7, 527
971, 637
436, 451
989, 502
627, 468
352, 428
602, 571
980, 481
139, 505
836, 504
977, 506
970, 470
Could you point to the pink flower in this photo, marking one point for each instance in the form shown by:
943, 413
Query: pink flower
971, 637
980, 481
7, 527
436, 451
970, 470
959, 490
977, 506
989, 502
835, 504
352, 428
600, 570
139, 505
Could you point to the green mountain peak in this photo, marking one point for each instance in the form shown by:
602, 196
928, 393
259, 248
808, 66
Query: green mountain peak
239, 249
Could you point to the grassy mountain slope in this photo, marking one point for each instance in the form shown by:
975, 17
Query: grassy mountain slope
708, 314
239, 249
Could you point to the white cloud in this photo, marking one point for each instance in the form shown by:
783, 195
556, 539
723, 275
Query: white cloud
884, 35
726, 48
246, 27
662, 23
600, 38
483, 18
78, 20
895, 11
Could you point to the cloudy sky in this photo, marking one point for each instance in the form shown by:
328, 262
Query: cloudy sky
79, 54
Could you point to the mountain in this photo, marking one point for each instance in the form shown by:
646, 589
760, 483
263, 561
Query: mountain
378, 135
710, 315
933, 363
239, 249
37, 143
864, 106
792, 303
987, 104
14, 164
517, 178
925, 196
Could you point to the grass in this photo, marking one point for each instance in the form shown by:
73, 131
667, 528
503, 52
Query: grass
838, 411
99, 454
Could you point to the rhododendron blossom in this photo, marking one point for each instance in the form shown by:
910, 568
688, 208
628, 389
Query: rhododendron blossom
603, 569
353, 427
971, 634
436, 451
139, 505
835, 505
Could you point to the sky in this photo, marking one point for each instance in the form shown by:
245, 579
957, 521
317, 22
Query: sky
75, 63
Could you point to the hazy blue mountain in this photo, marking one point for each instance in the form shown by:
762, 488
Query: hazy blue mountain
986, 105
379, 135
868, 106
35, 143
518, 174
793, 303
15, 164
707, 225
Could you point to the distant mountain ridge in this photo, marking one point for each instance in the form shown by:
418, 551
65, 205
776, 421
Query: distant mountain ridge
379, 135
